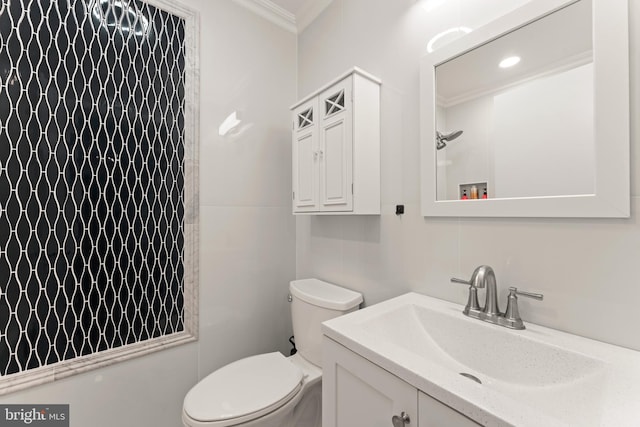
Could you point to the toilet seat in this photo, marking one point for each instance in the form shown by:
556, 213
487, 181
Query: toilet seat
243, 390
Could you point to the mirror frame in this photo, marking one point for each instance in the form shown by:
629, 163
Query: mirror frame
611, 124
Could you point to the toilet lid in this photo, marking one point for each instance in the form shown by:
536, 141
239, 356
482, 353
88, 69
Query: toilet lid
256, 386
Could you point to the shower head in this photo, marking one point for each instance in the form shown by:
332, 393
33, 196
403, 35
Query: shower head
441, 140
450, 136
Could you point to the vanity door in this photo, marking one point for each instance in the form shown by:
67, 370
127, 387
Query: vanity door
436, 414
355, 392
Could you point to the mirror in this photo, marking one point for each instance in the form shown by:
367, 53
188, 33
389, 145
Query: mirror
529, 115
504, 104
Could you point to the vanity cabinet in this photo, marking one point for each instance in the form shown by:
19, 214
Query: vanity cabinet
434, 413
336, 147
356, 392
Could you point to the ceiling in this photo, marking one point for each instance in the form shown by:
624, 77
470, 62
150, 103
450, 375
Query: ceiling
556, 42
292, 15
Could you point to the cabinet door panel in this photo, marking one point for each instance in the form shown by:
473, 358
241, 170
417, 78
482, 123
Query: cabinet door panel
305, 158
434, 413
358, 393
305, 178
336, 148
336, 182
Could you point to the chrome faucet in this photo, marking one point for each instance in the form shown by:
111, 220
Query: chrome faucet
483, 277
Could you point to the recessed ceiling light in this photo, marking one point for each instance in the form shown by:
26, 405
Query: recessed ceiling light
509, 62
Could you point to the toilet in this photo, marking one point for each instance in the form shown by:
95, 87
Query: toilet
271, 390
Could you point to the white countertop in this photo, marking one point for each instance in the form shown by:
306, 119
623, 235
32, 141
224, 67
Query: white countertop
607, 395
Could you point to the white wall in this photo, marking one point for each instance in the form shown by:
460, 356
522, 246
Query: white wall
247, 232
247, 243
585, 268
535, 143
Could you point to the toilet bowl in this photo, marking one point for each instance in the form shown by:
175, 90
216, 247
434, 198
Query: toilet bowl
271, 390
260, 390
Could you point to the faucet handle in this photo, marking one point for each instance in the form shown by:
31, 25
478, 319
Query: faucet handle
472, 300
515, 290
512, 315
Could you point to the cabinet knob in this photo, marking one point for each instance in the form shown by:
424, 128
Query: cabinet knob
400, 420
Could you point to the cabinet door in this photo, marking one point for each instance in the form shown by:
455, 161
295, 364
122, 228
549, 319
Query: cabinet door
433, 413
355, 392
305, 157
336, 147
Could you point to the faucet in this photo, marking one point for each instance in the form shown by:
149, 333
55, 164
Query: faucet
484, 277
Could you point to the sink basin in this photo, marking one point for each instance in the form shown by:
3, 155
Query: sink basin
493, 354
537, 376
501, 359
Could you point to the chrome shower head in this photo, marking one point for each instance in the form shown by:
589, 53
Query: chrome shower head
441, 140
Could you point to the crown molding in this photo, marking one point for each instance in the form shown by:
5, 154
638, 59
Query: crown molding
282, 17
271, 12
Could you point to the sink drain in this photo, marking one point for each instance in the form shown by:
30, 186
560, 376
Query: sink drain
471, 377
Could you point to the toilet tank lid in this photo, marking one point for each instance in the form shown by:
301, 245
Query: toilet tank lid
324, 294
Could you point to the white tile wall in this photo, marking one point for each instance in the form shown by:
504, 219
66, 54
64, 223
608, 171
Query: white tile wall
247, 260
146, 391
247, 232
585, 268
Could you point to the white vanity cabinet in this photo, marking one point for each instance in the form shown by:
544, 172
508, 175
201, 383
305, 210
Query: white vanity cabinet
336, 147
433, 413
356, 392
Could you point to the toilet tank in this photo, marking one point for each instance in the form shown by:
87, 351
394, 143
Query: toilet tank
313, 302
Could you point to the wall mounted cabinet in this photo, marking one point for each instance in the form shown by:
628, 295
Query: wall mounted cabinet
336, 147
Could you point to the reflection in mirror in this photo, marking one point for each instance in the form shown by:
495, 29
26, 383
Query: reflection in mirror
514, 117
544, 135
